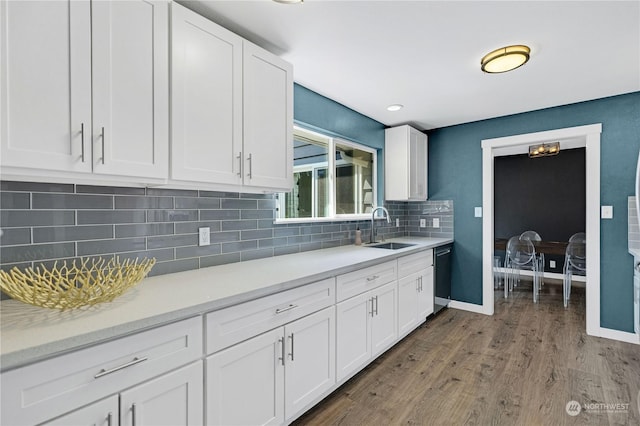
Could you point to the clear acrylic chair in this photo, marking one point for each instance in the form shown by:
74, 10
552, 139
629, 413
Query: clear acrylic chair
575, 262
520, 255
534, 236
579, 237
497, 273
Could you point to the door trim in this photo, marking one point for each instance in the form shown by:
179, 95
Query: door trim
573, 137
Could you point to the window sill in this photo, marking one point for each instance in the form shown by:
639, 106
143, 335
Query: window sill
349, 218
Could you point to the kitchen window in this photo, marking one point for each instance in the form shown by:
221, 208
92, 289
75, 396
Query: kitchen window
333, 179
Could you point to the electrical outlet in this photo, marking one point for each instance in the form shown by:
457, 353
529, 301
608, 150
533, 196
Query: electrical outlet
478, 212
436, 222
203, 236
397, 222
423, 223
606, 212
552, 264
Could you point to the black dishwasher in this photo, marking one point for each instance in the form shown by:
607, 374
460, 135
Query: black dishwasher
442, 293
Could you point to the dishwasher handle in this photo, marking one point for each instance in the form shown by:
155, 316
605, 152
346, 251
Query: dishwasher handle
442, 253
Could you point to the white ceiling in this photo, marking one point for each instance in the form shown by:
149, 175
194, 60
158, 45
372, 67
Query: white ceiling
426, 54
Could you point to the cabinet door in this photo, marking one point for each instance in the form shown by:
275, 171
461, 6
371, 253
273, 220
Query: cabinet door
245, 383
310, 365
206, 100
408, 288
45, 85
417, 165
353, 334
268, 119
384, 322
425, 294
130, 53
101, 413
172, 399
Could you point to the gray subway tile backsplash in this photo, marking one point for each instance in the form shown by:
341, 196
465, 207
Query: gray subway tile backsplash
15, 236
48, 234
43, 223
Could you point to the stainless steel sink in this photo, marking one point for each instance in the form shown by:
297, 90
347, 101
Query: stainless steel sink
391, 246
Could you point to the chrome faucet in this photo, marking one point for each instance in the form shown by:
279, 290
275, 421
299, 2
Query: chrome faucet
373, 216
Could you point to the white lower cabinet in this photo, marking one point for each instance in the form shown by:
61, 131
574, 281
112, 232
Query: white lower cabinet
172, 399
415, 300
149, 363
274, 376
101, 413
367, 325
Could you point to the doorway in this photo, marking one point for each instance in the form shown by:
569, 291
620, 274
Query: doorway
587, 137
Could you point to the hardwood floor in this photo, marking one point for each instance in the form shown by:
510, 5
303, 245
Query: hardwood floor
520, 366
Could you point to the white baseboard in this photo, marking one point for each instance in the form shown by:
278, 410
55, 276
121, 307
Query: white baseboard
471, 307
622, 336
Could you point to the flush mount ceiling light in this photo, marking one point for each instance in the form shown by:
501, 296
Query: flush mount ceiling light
289, 1
544, 150
395, 107
505, 59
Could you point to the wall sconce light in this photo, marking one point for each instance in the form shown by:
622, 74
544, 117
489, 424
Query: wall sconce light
505, 59
544, 150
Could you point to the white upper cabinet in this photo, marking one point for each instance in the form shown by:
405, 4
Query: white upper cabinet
206, 100
130, 87
268, 119
232, 108
45, 87
405, 163
85, 87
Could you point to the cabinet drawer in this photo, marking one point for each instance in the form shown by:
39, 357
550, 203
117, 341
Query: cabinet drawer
356, 282
43, 390
414, 263
231, 325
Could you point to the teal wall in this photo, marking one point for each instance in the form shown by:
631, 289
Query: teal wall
316, 112
455, 172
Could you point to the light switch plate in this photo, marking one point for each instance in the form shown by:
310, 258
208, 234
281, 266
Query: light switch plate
478, 212
423, 223
397, 222
436, 222
606, 212
203, 236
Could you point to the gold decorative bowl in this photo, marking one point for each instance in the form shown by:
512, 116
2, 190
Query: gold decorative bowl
92, 281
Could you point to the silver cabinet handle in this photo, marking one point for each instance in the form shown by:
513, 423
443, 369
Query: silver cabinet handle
291, 353
371, 313
82, 140
102, 137
109, 418
376, 305
133, 362
281, 358
133, 414
288, 308
250, 166
373, 278
239, 157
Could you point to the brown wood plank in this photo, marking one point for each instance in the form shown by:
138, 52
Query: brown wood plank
519, 366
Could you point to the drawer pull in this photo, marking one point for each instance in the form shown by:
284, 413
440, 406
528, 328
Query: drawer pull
373, 278
109, 418
288, 308
134, 361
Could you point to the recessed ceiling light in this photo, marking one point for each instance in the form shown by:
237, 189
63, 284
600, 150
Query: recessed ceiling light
289, 1
505, 59
395, 107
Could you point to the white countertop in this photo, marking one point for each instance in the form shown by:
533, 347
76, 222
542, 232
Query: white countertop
29, 333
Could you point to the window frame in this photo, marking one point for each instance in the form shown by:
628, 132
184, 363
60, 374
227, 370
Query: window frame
332, 142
